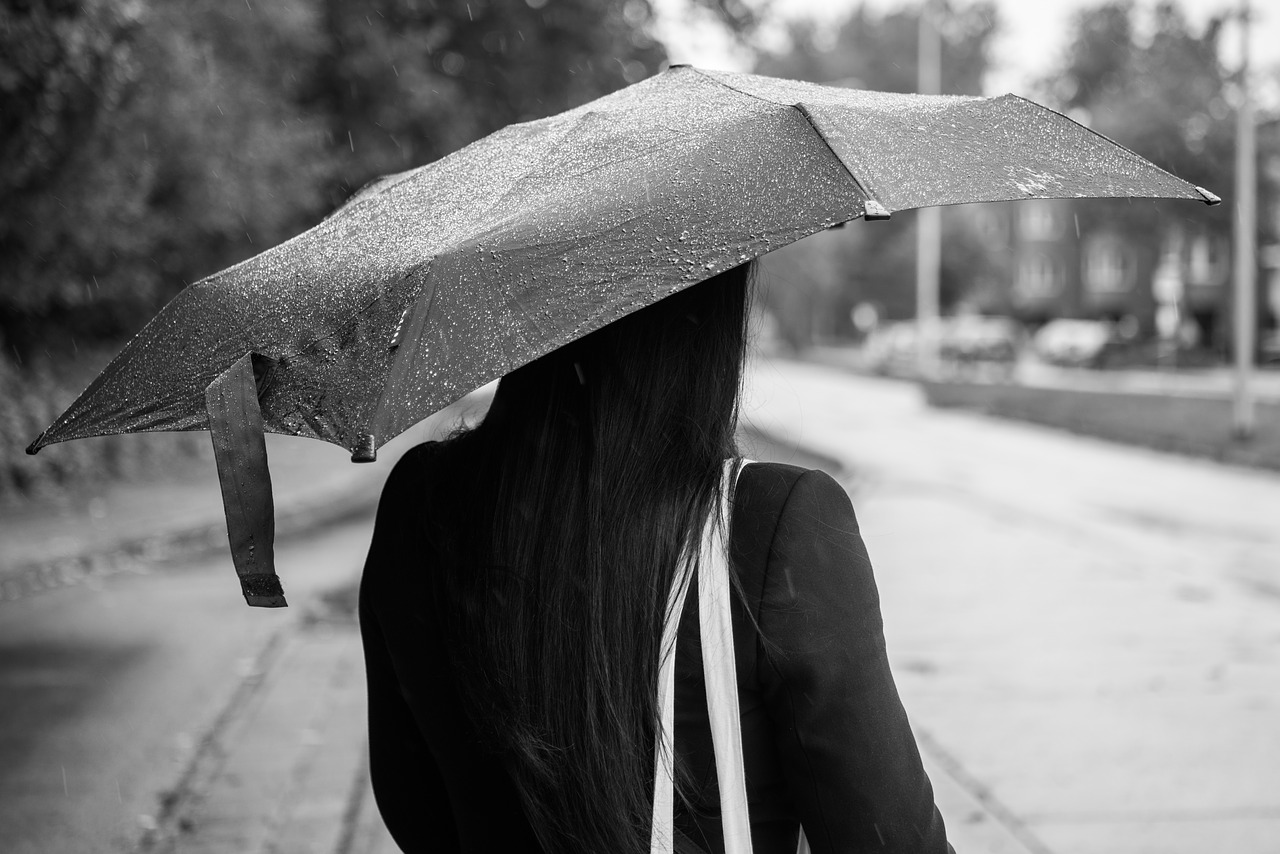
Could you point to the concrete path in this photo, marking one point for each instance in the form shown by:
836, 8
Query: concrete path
1087, 638
1086, 635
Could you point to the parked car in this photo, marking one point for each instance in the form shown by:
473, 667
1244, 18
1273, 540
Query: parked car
1076, 343
963, 344
890, 349
977, 340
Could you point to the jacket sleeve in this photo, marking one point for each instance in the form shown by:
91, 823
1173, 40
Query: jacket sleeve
847, 751
407, 783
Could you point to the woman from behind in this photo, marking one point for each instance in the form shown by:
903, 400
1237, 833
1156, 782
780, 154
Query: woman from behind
515, 593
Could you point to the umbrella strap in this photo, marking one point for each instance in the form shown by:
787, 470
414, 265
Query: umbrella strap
240, 451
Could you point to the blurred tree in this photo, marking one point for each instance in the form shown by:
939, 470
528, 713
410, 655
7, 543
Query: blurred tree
150, 143
408, 81
739, 16
871, 49
156, 143
1159, 89
873, 262
1164, 94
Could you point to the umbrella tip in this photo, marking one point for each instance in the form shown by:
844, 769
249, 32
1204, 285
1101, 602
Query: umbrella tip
1209, 198
872, 209
35, 446
366, 449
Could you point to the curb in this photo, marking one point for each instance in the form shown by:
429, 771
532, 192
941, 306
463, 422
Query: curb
284, 765
138, 554
1190, 425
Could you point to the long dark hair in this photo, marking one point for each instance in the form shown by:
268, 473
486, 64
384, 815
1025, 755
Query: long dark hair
594, 469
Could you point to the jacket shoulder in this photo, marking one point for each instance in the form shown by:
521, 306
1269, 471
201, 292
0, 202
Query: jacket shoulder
772, 489
776, 508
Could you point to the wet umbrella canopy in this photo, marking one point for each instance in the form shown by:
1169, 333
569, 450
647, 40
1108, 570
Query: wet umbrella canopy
432, 282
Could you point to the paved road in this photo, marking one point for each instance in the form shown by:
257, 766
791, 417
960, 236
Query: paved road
1086, 635
157, 686
107, 689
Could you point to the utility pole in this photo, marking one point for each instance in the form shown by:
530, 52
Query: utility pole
1243, 415
929, 219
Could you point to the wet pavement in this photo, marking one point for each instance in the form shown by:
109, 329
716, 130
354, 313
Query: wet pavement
1086, 636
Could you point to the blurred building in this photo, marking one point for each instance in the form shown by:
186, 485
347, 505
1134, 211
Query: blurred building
1269, 219
1115, 260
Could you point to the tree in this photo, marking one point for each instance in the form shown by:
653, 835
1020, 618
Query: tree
149, 143
157, 143
873, 262
1164, 94
408, 81
875, 50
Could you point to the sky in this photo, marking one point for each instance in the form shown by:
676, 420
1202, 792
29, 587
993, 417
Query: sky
1034, 35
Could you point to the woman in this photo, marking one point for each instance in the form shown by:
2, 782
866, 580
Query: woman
513, 598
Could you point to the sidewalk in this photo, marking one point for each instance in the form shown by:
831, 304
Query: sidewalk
1193, 382
55, 543
1188, 412
1081, 682
1083, 632
282, 767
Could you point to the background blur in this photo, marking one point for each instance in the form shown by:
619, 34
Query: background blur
148, 144
1084, 632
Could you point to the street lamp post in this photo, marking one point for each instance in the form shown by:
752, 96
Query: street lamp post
1243, 416
929, 219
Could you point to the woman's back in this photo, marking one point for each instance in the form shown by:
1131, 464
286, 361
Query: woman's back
825, 739
516, 594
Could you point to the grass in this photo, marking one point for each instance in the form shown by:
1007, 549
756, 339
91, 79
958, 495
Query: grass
1194, 425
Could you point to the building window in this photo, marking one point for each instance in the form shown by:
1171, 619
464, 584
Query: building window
1039, 221
991, 225
1039, 277
1108, 268
1207, 264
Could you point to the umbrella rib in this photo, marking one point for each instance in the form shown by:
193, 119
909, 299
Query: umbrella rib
733, 88
407, 339
872, 206
1133, 155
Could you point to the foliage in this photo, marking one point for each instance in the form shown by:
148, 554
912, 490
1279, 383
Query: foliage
1164, 95
182, 151
148, 143
877, 50
1161, 90
407, 81
873, 262
151, 143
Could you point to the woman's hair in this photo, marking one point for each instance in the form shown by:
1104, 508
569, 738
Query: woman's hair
593, 471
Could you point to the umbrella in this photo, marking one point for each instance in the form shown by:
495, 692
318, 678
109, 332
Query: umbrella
429, 283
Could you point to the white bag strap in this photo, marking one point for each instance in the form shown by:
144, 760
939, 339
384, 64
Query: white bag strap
720, 673
661, 836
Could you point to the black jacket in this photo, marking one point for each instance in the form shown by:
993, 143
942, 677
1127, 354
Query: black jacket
825, 738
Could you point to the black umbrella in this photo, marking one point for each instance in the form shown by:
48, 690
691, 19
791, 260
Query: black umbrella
432, 282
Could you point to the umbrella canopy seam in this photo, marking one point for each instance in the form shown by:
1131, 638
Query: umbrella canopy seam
1132, 155
869, 198
409, 330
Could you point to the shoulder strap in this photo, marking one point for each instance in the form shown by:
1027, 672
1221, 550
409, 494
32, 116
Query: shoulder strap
720, 673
